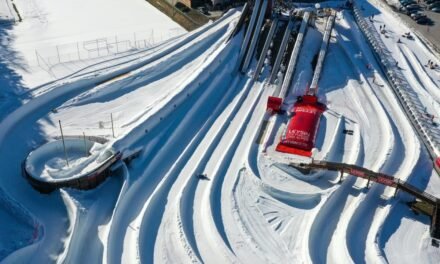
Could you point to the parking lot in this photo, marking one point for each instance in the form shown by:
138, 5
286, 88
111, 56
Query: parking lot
432, 33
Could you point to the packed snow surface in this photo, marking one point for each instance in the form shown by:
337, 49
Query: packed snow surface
51, 163
206, 185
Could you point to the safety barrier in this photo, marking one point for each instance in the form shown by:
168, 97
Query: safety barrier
408, 100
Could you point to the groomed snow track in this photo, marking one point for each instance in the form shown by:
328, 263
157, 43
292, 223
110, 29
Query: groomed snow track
203, 183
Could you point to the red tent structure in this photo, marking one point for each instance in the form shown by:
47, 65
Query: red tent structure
274, 104
300, 135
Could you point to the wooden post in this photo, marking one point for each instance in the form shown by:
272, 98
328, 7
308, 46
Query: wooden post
340, 176
368, 182
113, 128
395, 192
64, 144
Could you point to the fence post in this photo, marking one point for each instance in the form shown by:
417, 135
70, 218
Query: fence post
134, 39
97, 47
58, 52
117, 44
38, 60
77, 48
106, 44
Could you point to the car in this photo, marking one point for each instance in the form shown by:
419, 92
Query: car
407, 2
417, 15
409, 11
436, 9
428, 2
423, 21
412, 6
431, 6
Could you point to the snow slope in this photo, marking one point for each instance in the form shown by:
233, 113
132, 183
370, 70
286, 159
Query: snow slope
188, 112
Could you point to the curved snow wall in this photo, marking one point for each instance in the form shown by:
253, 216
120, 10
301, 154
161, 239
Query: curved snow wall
87, 181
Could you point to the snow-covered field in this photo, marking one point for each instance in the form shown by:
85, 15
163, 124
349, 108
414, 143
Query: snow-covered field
51, 34
184, 105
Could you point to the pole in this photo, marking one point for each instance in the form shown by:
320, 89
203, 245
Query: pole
77, 48
85, 145
58, 52
38, 60
113, 128
64, 144
134, 34
116, 42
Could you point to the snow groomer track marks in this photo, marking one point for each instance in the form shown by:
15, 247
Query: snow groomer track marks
195, 124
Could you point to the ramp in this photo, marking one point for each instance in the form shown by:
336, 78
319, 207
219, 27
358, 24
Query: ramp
255, 36
293, 57
249, 30
281, 51
240, 23
322, 53
265, 48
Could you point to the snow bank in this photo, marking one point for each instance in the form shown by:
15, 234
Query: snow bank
47, 163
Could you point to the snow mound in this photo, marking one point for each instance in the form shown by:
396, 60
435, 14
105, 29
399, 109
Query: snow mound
48, 162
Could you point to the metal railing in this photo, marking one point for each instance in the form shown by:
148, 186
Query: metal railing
406, 96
